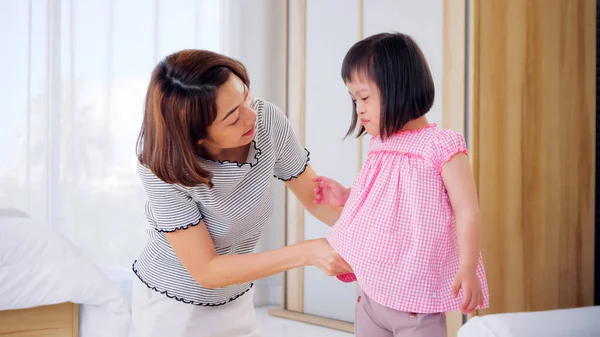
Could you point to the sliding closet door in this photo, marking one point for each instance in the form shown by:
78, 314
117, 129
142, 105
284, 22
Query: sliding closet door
597, 254
534, 101
329, 35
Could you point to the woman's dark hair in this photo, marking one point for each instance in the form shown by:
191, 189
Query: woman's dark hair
180, 106
396, 64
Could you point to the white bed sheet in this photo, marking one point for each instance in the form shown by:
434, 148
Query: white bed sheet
39, 267
577, 322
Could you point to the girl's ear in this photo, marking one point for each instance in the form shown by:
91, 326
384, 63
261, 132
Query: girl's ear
200, 142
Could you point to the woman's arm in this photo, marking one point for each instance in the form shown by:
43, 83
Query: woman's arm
195, 249
303, 188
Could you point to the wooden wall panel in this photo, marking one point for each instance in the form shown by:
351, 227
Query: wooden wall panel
536, 157
296, 103
453, 92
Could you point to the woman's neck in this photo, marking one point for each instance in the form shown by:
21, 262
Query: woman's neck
238, 154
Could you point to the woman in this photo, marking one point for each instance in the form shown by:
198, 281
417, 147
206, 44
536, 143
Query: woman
207, 153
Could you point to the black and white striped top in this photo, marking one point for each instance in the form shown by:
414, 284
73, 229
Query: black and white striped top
234, 210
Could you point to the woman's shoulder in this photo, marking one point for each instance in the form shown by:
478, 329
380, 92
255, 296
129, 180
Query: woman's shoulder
151, 181
145, 173
273, 123
268, 112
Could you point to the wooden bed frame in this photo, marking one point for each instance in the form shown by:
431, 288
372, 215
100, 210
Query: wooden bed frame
60, 320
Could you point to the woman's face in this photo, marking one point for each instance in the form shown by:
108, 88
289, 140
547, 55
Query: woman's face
235, 123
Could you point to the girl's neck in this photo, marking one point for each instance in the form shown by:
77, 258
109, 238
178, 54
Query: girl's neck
416, 124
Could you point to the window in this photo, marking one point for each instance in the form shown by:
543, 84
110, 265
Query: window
73, 84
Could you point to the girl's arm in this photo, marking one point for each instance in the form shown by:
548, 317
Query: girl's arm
194, 248
303, 188
459, 182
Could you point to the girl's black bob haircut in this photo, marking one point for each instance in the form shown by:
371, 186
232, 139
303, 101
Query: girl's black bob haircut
397, 66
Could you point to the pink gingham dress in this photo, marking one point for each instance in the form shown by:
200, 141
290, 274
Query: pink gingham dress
397, 230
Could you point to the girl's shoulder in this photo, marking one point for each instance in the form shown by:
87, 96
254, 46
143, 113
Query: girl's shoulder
441, 137
444, 145
425, 138
431, 142
432, 134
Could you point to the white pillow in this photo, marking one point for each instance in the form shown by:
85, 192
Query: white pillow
13, 212
41, 267
23, 241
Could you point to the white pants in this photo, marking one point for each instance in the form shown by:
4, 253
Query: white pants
156, 315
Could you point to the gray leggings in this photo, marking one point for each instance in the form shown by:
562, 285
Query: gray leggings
375, 320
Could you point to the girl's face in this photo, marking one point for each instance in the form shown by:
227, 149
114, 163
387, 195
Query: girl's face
235, 123
365, 96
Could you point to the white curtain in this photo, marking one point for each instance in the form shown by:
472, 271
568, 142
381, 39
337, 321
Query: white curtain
72, 86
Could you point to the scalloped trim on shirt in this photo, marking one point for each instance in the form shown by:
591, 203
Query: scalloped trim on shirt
180, 299
299, 173
257, 153
449, 156
171, 230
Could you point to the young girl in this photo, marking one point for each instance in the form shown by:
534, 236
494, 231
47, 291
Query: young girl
410, 225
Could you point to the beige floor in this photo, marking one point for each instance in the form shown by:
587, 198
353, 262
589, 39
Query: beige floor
278, 327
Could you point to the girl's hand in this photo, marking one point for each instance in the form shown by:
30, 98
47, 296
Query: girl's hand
321, 255
330, 192
472, 294
347, 278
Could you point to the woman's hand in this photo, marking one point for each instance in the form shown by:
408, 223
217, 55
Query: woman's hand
330, 192
321, 255
468, 281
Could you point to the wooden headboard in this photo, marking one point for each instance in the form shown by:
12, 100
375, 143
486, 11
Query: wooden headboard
60, 320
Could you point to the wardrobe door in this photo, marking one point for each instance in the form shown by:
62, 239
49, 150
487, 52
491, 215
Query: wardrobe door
533, 100
597, 255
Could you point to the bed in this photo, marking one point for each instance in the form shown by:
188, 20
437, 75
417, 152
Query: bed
576, 322
59, 320
49, 288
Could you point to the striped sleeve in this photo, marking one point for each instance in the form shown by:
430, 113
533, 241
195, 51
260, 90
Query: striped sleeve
168, 207
291, 158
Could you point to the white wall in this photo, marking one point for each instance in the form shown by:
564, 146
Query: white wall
71, 106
